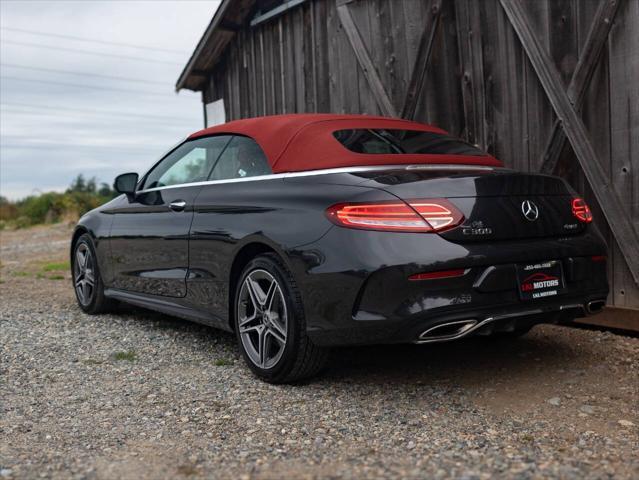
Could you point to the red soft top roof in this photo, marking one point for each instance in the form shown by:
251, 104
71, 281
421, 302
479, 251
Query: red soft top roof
300, 142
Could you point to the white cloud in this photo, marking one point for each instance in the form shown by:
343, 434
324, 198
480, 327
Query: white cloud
49, 132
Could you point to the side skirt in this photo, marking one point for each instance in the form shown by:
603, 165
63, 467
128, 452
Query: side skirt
167, 306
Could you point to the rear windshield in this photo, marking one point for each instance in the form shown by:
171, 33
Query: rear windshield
380, 141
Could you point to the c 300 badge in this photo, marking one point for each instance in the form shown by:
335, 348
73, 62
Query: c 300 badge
477, 228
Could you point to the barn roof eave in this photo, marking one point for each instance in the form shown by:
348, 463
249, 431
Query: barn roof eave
191, 78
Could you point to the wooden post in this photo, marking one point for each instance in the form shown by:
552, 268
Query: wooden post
422, 62
365, 62
472, 65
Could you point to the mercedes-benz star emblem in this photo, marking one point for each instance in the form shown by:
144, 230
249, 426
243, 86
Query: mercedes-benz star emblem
530, 210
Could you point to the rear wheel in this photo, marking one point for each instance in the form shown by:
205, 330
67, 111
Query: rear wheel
87, 282
270, 326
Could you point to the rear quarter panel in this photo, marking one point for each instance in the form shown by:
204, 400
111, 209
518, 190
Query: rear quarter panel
280, 213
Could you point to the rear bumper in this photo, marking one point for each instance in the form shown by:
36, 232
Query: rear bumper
457, 324
356, 290
509, 321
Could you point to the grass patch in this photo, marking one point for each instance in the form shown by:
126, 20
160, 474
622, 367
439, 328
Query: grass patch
56, 266
42, 276
223, 362
128, 356
92, 361
20, 274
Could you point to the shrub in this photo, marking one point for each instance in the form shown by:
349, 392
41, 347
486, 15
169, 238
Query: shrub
51, 207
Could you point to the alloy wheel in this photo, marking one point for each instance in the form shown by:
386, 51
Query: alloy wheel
84, 274
262, 318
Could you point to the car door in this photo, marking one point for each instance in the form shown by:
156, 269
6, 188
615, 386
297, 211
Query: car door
150, 231
225, 210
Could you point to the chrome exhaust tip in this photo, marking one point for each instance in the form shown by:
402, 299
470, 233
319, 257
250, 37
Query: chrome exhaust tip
448, 330
595, 306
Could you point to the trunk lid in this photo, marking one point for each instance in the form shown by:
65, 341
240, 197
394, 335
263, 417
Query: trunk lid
498, 204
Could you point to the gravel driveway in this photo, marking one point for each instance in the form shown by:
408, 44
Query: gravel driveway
142, 395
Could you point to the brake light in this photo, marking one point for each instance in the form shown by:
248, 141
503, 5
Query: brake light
458, 272
440, 214
581, 210
432, 215
395, 216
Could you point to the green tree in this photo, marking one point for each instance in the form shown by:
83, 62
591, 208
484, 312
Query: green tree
106, 191
78, 184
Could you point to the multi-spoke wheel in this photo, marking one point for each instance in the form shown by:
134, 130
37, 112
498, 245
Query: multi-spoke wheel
262, 318
87, 282
83, 274
269, 322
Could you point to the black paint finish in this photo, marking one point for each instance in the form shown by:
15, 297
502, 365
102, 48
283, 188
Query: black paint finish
150, 241
354, 283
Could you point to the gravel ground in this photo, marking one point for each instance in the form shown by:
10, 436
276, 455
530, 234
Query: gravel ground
142, 395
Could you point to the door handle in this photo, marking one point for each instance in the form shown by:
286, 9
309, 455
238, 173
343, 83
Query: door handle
177, 205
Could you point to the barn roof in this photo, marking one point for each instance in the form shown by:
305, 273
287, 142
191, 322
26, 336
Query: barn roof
228, 19
302, 142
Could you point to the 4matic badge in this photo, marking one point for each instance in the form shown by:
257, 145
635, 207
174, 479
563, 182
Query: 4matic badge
477, 228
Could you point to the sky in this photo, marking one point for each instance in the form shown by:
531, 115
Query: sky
89, 87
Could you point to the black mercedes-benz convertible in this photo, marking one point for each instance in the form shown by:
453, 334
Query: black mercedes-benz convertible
302, 232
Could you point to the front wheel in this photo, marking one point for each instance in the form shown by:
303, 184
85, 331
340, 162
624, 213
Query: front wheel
270, 325
87, 282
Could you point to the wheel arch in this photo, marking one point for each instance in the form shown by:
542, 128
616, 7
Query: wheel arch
244, 255
77, 233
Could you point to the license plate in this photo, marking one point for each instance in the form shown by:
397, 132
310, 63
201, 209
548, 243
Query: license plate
540, 280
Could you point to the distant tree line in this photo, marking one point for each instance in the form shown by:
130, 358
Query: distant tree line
82, 195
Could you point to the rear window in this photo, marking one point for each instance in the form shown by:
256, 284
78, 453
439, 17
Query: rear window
385, 142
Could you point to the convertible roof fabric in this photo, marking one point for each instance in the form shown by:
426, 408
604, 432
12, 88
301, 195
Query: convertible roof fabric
302, 142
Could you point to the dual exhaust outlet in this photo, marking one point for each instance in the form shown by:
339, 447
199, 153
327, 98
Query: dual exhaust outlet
461, 328
595, 306
448, 331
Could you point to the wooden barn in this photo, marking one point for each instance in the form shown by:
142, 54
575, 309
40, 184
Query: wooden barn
544, 85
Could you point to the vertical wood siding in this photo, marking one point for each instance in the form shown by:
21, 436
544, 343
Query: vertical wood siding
480, 84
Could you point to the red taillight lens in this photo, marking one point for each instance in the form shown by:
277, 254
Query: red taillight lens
395, 216
581, 210
415, 216
458, 272
440, 214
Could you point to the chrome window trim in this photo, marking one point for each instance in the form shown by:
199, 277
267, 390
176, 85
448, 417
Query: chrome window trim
327, 171
157, 162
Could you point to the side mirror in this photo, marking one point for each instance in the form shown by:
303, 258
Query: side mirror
126, 183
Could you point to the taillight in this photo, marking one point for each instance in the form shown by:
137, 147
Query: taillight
432, 215
458, 272
440, 214
395, 216
581, 210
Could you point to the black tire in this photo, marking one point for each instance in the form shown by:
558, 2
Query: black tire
95, 302
299, 358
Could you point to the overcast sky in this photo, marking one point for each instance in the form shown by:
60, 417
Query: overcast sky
54, 125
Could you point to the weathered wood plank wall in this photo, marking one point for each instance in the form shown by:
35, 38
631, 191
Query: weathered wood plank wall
479, 83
